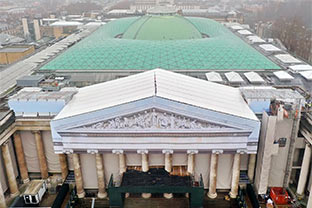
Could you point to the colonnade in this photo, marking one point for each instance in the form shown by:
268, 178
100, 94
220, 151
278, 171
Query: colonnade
214, 157
191, 154
22, 166
212, 193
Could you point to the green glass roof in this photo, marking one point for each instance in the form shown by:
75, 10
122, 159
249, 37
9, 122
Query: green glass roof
159, 27
102, 51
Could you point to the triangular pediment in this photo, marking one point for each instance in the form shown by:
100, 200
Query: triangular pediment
152, 120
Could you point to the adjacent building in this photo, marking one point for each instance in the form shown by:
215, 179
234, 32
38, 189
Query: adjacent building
11, 54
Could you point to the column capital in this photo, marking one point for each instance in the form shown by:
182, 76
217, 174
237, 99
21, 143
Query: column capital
240, 151
16, 132
192, 152
5, 143
118, 152
308, 144
92, 151
35, 131
167, 151
217, 152
142, 151
68, 151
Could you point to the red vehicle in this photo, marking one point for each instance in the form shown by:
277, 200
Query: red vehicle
279, 196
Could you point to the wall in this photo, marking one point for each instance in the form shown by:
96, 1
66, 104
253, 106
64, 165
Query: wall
30, 151
88, 169
52, 158
283, 129
11, 57
263, 165
57, 32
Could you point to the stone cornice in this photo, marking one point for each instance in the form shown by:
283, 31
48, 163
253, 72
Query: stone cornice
33, 124
238, 133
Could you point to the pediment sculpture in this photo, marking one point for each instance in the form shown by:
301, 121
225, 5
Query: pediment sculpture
152, 119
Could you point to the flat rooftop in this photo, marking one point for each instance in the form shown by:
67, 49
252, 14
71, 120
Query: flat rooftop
14, 49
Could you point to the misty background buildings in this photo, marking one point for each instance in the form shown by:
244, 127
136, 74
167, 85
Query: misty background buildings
215, 93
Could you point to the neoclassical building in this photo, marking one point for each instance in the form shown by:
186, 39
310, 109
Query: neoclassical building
156, 118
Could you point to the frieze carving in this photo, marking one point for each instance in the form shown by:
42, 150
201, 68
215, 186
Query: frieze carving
152, 119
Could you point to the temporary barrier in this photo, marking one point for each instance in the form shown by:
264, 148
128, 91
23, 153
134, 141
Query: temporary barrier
155, 181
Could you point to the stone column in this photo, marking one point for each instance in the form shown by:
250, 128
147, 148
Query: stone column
100, 176
235, 176
9, 169
251, 166
191, 161
190, 164
41, 156
168, 160
122, 160
21, 157
212, 192
122, 164
168, 168
2, 198
78, 176
63, 164
309, 204
145, 168
304, 170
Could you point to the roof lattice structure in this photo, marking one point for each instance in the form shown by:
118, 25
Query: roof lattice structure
103, 50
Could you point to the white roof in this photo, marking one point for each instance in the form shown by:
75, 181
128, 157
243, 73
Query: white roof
282, 75
233, 77
66, 23
163, 84
237, 27
269, 47
255, 39
95, 23
244, 32
214, 77
118, 11
307, 74
301, 67
50, 19
287, 59
254, 77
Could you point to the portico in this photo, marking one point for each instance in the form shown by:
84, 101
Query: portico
165, 120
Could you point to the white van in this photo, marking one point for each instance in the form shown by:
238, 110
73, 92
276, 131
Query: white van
34, 191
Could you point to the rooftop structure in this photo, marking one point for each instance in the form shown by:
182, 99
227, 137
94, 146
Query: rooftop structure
269, 47
286, 58
158, 83
253, 77
181, 43
33, 102
282, 75
154, 27
14, 49
65, 23
214, 77
9, 39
